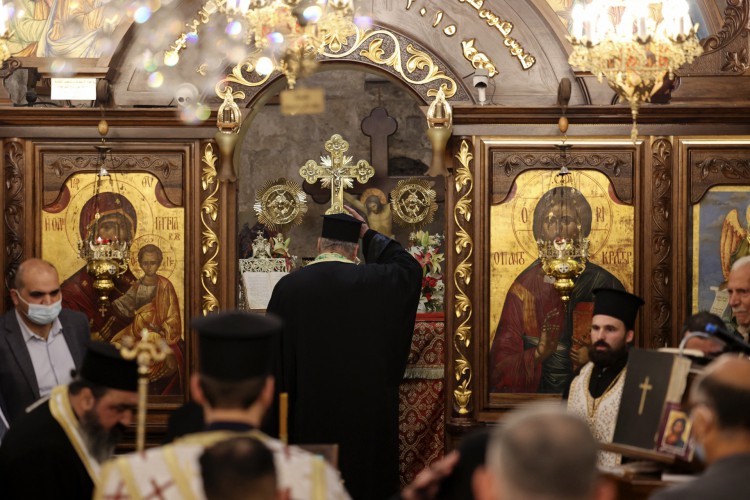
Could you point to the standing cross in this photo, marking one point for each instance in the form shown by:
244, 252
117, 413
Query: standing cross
336, 172
645, 387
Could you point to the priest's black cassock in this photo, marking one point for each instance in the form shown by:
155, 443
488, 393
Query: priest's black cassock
344, 347
37, 460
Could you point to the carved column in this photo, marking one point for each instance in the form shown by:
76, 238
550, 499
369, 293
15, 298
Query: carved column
460, 314
658, 254
14, 211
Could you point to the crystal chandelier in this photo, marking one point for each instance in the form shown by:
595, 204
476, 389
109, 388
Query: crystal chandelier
5, 34
106, 258
283, 35
635, 44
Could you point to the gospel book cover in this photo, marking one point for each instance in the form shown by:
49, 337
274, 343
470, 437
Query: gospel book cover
653, 380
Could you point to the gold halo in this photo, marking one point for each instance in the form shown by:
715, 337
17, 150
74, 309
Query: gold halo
280, 204
413, 202
373, 192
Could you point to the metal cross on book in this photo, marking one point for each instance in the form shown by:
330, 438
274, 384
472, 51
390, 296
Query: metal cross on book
645, 387
335, 171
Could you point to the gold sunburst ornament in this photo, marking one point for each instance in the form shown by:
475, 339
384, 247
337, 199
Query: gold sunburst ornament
413, 202
280, 204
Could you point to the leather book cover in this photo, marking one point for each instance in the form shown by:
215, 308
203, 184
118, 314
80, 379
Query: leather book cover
653, 379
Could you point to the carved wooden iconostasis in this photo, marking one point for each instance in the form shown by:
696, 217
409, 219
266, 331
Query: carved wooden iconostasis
162, 195
717, 200
668, 217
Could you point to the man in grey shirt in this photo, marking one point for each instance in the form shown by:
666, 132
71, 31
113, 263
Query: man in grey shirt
40, 343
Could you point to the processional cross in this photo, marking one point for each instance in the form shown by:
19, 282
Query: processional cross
645, 387
335, 171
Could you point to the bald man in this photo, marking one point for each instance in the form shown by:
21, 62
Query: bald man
720, 411
40, 343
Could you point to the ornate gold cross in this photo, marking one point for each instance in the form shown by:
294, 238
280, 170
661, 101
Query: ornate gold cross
335, 171
645, 387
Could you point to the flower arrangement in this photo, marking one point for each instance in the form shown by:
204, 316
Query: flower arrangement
425, 247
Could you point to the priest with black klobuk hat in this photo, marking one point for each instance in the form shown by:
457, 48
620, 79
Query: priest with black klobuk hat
345, 343
596, 392
56, 449
234, 385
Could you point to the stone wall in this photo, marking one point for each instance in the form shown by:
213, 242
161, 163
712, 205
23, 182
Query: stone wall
277, 146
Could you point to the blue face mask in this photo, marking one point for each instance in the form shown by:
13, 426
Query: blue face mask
41, 314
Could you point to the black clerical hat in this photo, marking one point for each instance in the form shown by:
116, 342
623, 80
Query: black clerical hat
104, 365
236, 345
342, 227
618, 304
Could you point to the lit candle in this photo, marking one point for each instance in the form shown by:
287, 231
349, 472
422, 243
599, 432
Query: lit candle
283, 417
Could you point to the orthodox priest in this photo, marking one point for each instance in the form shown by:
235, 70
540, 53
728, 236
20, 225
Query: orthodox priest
55, 451
596, 392
346, 339
235, 389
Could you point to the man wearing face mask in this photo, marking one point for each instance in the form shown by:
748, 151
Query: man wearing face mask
596, 392
720, 412
40, 342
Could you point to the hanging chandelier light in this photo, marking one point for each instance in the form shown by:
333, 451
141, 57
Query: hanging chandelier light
106, 258
5, 34
634, 44
563, 253
283, 35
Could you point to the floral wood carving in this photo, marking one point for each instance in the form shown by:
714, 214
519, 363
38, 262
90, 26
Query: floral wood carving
617, 165
661, 243
15, 161
735, 25
736, 62
710, 170
161, 163
167, 167
726, 51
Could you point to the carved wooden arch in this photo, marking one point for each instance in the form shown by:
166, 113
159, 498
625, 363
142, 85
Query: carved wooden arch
378, 49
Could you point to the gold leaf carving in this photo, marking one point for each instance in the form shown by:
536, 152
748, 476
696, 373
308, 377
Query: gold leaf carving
209, 239
462, 306
370, 45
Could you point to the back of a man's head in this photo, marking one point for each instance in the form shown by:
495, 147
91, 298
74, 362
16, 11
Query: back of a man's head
231, 394
725, 390
241, 468
235, 353
700, 320
545, 453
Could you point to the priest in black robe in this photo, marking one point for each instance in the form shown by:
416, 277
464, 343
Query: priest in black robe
343, 351
55, 451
